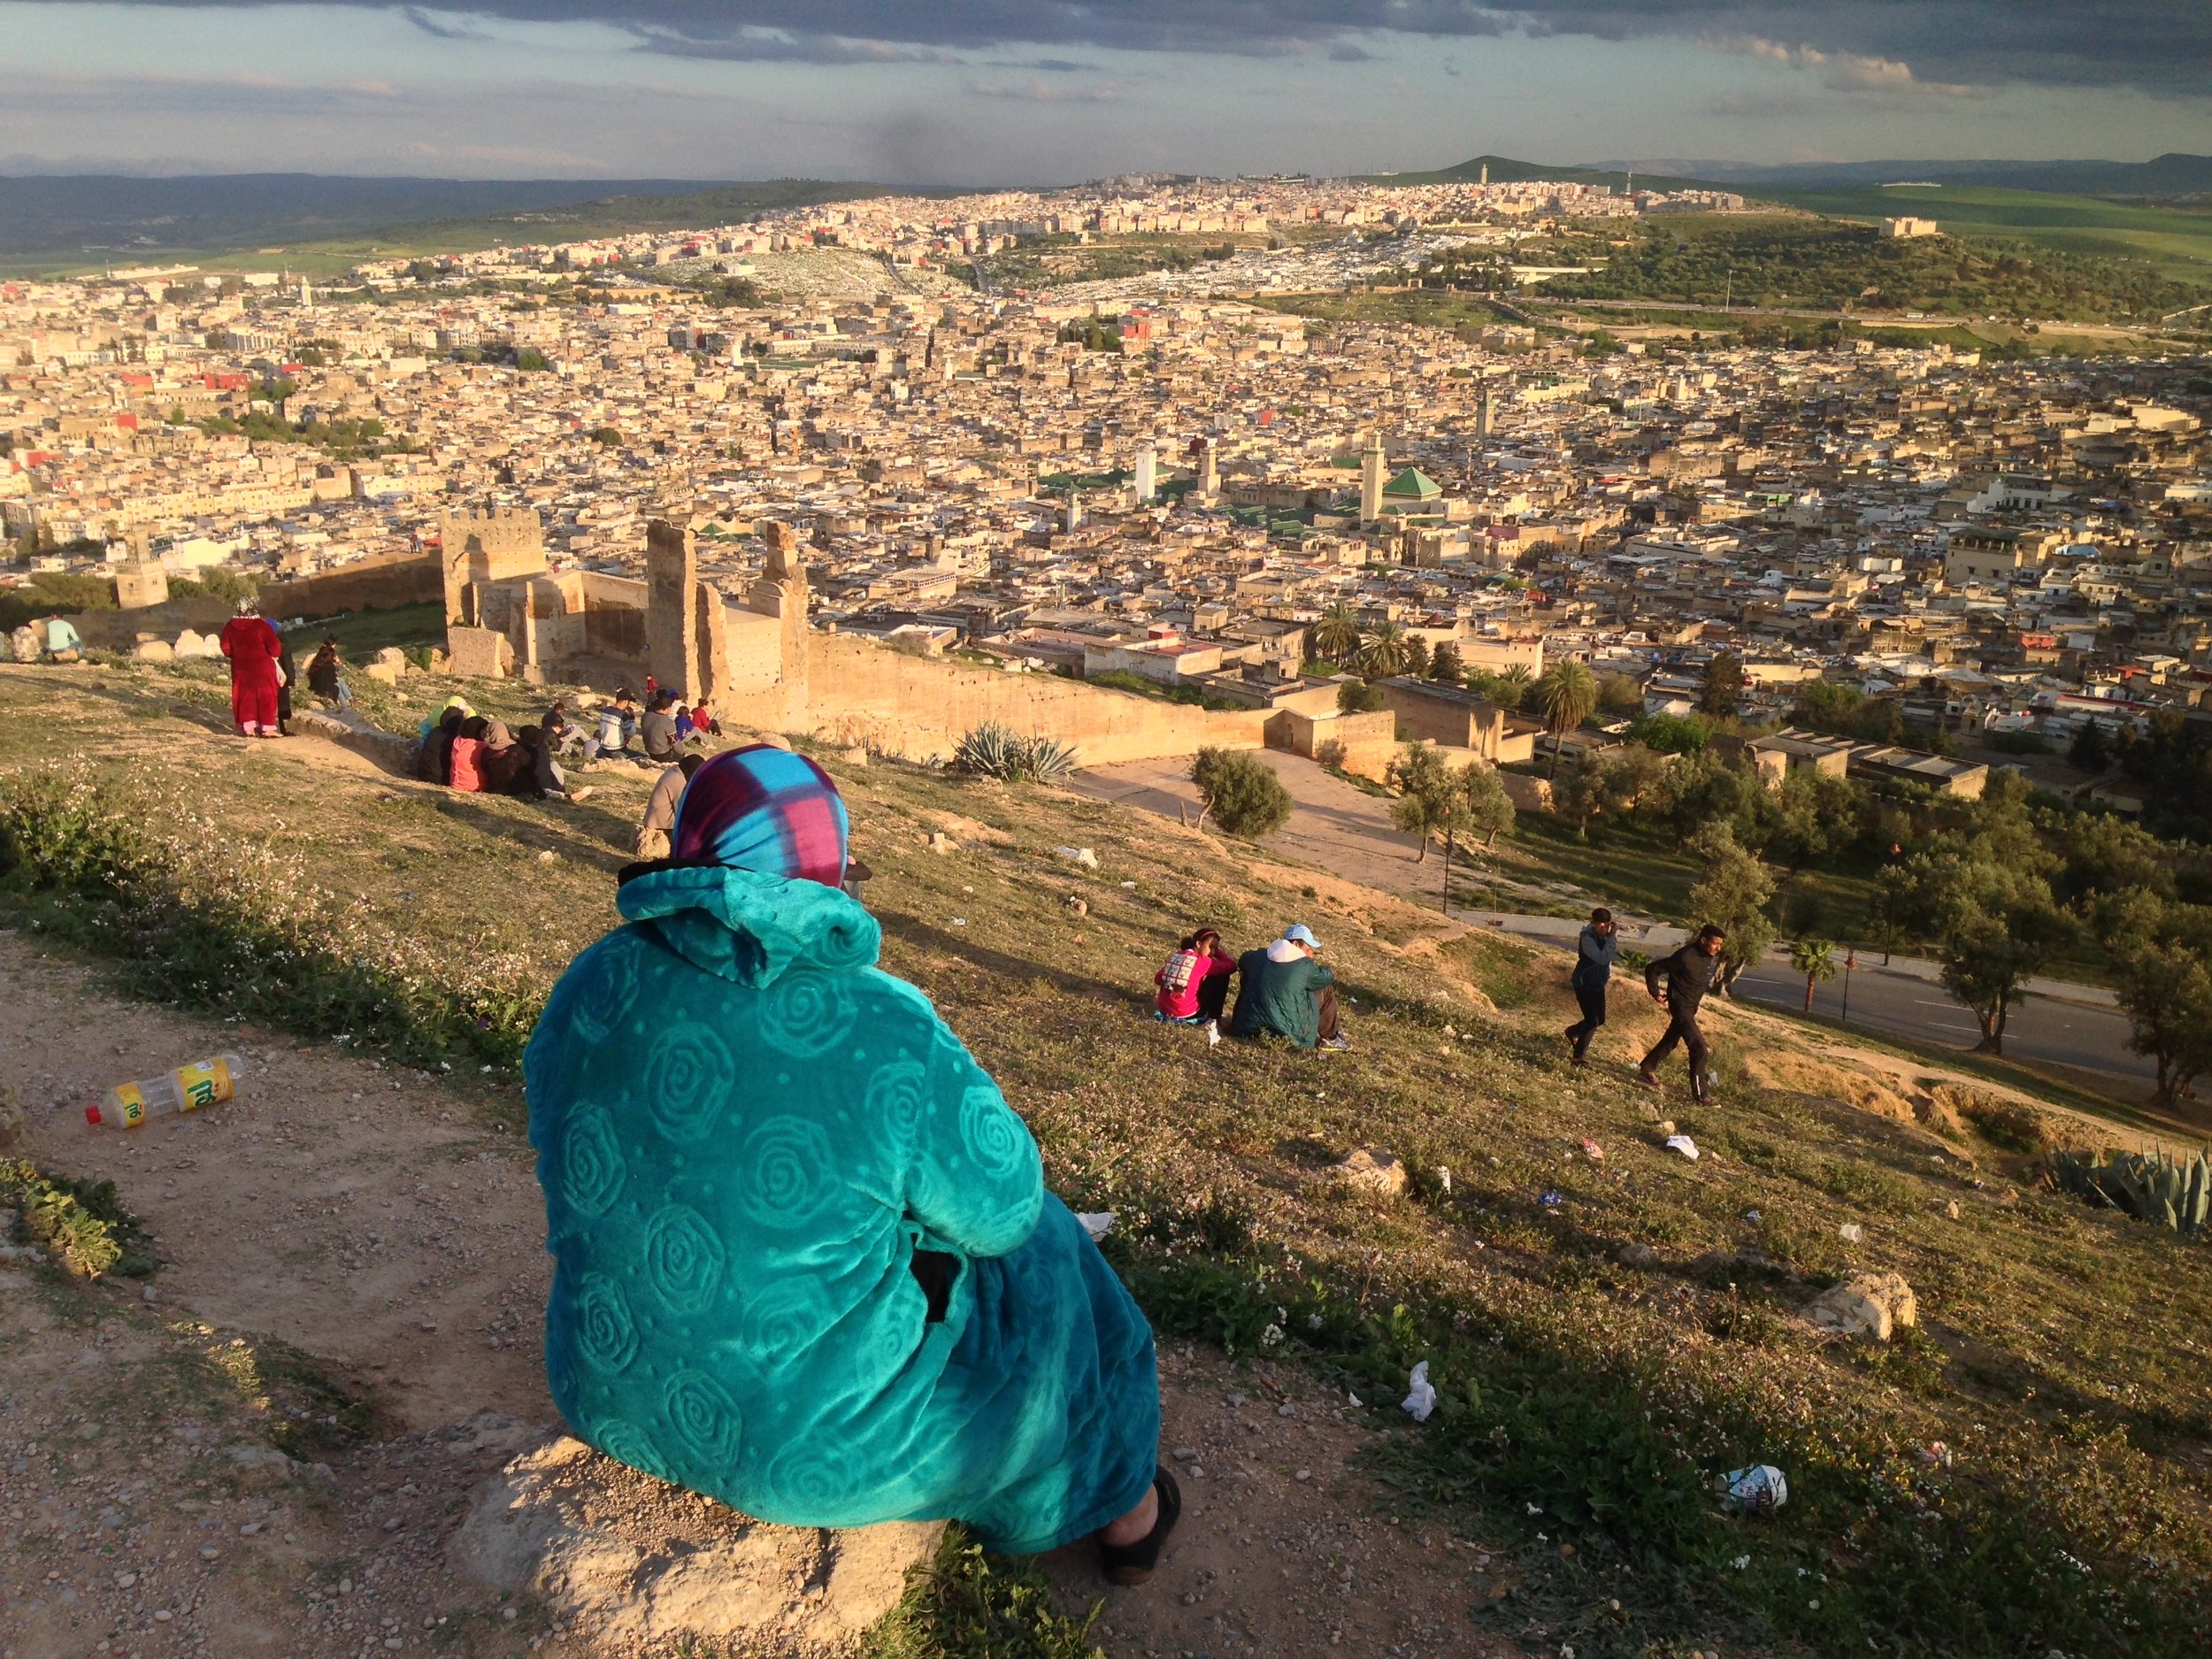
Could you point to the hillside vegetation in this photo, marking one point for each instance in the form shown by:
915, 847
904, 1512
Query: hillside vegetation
2025, 1473
2176, 241
1787, 262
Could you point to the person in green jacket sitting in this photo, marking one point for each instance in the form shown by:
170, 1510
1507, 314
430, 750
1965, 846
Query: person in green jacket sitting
1284, 990
805, 1262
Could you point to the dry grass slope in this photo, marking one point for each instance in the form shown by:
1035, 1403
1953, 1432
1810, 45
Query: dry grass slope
1586, 1404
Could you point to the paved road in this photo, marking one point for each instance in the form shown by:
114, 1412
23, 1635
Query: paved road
1347, 832
1903, 1000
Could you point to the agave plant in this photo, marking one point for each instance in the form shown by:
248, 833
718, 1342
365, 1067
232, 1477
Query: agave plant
2155, 1187
1050, 759
993, 750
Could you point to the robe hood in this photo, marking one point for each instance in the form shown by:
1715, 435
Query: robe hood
751, 928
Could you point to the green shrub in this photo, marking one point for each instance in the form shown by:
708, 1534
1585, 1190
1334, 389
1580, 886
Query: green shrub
1241, 792
2008, 1124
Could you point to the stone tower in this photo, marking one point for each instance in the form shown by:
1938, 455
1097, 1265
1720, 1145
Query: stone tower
140, 579
1148, 471
1208, 470
1370, 477
672, 654
487, 547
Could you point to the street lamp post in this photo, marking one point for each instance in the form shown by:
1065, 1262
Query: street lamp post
1850, 961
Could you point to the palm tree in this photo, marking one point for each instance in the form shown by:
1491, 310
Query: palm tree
1384, 653
1816, 959
1336, 636
1565, 697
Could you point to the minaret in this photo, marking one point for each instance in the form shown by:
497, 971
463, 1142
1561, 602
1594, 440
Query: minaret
1370, 477
1075, 520
1148, 471
1209, 471
1482, 413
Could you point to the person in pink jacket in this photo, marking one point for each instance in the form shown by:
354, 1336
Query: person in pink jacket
1194, 984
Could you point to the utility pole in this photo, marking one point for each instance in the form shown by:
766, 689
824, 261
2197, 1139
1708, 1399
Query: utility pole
1850, 961
1728, 295
1448, 870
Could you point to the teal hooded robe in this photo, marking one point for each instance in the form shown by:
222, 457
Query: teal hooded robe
744, 1131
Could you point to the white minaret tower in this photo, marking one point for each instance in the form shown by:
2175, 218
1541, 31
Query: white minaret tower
1370, 477
1209, 471
1148, 471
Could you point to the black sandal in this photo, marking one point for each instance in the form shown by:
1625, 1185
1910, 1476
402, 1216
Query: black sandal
1132, 1563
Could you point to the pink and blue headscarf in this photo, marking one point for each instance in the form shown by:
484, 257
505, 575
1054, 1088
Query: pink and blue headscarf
763, 809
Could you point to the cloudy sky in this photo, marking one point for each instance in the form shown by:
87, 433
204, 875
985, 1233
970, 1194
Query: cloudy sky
1046, 91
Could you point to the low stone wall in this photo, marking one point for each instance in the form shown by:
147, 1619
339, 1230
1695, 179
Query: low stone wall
858, 692
118, 629
371, 584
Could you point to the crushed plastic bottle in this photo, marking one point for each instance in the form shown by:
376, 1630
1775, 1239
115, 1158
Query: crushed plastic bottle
188, 1088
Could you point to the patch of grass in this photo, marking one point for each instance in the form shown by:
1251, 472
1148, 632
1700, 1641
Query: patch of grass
361, 635
82, 1222
299, 1409
1432, 308
967, 1605
241, 930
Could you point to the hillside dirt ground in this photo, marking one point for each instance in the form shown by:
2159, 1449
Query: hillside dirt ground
372, 1237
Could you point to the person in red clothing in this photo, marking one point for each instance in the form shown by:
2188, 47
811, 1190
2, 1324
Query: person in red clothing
1194, 985
253, 647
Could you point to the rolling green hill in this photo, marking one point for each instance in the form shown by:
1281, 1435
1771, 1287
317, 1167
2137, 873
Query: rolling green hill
1786, 261
2176, 240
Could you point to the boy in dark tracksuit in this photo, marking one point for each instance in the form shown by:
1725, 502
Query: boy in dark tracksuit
1678, 983
1594, 954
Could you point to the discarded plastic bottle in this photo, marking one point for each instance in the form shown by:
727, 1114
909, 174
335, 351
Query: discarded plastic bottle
188, 1088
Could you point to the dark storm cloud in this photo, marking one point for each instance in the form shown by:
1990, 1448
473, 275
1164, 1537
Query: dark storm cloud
2163, 45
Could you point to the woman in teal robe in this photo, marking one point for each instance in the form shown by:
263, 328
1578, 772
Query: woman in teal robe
805, 1260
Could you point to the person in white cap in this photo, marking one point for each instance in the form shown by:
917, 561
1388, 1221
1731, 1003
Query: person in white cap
1284, 990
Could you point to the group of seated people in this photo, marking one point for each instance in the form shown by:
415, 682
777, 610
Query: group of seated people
663, 727
1281, 989
464, 750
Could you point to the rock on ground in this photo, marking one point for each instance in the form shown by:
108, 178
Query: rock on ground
1366, 1172
627, 1559
1877, 1305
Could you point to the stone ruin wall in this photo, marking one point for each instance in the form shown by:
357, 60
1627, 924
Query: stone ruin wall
858, 692
369, 584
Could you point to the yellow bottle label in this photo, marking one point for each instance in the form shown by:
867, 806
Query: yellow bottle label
132, 1101
202, 1083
